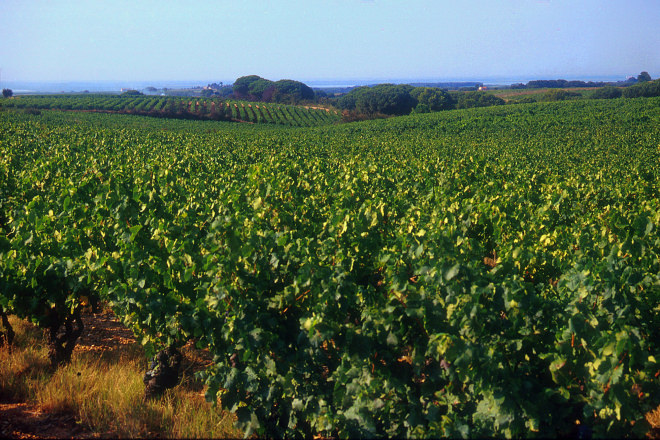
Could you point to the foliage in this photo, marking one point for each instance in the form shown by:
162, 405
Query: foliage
258, 88
292, 92
432, 98
608, 92
477, 273
241, 86
7, 93
478, 99
644, 77
562, 84
285, 91
388, 99
559, 95
643, 89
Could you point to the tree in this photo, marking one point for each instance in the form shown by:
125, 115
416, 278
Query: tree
645, 89
391, 99
258, 89
284, 91
643, 77
387, 99
7, 93
433, 98
242, 85
422, 108
292, 92
347, 102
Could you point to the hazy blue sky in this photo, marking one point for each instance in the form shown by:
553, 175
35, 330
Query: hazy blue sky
67, 40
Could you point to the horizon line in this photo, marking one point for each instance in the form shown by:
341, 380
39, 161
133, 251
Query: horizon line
466, 78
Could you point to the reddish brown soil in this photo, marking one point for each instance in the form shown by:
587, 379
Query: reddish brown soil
21, 420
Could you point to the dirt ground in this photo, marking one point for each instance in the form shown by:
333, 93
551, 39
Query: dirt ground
20, 420
25, 421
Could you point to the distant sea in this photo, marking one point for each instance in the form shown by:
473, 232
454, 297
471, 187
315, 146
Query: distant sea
33, 87
29, 87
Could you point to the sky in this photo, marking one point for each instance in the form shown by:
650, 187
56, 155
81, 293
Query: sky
142, 40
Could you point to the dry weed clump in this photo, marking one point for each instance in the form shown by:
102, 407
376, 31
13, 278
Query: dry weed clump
653, 417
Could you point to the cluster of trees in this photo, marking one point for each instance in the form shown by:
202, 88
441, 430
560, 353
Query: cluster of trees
391, 99
557, 84
403, 99
284, 91
386, 99
643, 77
563, 84
131, 93
7, 93
477, 99
645, 89
216, 89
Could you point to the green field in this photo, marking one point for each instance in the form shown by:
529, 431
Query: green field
467, 273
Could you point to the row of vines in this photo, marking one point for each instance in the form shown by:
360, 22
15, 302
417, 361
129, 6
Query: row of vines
190, 108
489, 272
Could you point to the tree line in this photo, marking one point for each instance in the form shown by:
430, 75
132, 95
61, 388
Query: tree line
403, 99
564, 84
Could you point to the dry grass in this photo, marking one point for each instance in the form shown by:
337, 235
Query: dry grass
25, 364
105, 391
653, 417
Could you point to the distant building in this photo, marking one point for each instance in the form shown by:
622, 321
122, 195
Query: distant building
482, 88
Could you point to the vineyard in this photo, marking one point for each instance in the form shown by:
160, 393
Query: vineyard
469, 273
181, 108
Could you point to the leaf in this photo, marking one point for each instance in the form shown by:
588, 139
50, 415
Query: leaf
608, 349
419, 250
452, 272
557, 364
134, 231
392, 339
297, 405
